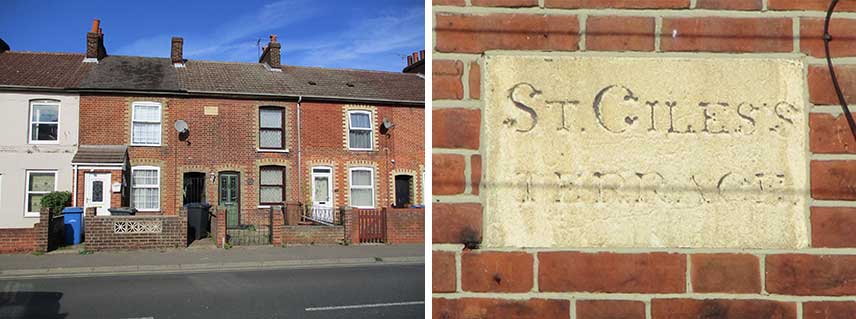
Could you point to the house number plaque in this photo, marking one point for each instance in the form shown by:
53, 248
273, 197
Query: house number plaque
585, 151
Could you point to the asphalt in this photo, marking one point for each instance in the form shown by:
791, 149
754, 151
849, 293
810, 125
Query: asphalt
60, 265
377, 291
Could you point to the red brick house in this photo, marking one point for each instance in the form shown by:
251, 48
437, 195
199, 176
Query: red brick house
156, 134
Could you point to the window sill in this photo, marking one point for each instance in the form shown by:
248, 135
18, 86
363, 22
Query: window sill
361, 149
261, 150
44, 143
31, 215
145, 145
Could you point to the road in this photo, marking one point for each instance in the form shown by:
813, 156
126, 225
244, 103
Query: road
382, 291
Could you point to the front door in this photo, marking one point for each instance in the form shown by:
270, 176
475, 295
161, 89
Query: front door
230, 198
403, 184
322, 187
97, 192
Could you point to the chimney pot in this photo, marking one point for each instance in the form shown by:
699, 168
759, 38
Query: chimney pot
177, 51
421, 55
96, 25
273, 38
409, 60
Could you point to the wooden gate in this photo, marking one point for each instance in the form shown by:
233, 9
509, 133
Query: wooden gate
372, 225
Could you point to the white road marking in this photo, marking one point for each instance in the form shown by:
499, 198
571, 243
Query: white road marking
391, 304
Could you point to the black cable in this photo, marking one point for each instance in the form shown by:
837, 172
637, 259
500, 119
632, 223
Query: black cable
826, 39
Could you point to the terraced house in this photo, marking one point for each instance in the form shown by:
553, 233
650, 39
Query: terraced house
158, 133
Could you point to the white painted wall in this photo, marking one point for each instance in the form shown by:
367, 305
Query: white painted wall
17, 156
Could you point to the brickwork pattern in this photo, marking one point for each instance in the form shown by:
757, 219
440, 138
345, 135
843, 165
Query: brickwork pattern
100, 234
817, 282
312, 235
405, 225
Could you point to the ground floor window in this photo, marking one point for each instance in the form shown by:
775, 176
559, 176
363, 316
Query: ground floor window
362, 187
271, 185
145, 188
39, 184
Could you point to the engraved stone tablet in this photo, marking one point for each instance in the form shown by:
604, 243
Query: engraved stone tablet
585, 151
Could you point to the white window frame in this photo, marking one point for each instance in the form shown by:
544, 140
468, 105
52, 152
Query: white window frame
159, 122
27, 191
31, 122
370, 129
158, 186
351, 186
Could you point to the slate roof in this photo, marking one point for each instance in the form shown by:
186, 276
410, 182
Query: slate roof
100, 154
132, 73
44, 70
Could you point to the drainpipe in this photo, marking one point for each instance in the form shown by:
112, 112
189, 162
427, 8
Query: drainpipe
74, 186
299, 172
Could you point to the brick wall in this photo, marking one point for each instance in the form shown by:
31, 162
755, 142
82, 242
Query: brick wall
817, 282
405, 225
228, 142
101, 234
17, 240
312, 235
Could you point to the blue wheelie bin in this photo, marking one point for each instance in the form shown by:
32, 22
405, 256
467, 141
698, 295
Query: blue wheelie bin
73, 220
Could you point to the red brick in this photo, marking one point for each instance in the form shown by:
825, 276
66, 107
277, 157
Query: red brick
472, 308
456, 223
613, 273
497, 271
475, 80
459, 3
443, 278
829, 309
505, 3
811, 275
830, 134
730, 4
717, 34
619, 33
833, 180
448, 174
476, 34
725, 273
617, 4
817, 5
843, 42
610, 309
446, 80
455, 128
475, 173
820, 83
718, 308
832, 227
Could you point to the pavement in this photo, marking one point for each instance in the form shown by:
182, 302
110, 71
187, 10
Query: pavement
375, 291
203, 260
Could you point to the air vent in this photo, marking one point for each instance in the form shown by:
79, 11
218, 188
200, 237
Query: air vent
350, 85
312, 83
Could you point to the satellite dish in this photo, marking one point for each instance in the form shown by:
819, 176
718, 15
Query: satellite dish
387, 124
181, 126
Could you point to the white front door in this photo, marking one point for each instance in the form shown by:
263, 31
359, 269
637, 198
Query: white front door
97, 192
322, 187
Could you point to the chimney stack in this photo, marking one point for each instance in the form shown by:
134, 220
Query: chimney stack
415, 63
271, 54
177, 52
95, 50
415, 57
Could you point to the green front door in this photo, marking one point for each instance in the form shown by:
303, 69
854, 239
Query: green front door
230, 198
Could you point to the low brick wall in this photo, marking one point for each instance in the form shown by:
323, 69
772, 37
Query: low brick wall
312, 235
17, 240
136, 232
218, 226
405, 225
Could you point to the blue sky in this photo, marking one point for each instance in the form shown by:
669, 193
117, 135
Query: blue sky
361, 34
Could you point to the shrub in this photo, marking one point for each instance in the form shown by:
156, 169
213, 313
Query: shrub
56, 201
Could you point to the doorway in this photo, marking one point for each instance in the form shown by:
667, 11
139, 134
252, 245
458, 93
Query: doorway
194, 188
97, 192
403, 193
322, 195
230, 198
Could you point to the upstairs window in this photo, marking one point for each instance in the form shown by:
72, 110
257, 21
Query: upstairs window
146, 124
271, 128
271, 185
360, 130
44, 122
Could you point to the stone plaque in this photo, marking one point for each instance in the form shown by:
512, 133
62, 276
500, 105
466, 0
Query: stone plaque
584, 151
211, 110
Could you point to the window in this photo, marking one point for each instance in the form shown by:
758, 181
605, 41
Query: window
39, 184
271, 128
145, 188
362, 187
360, 130
44, 122
271, 185
146, 124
